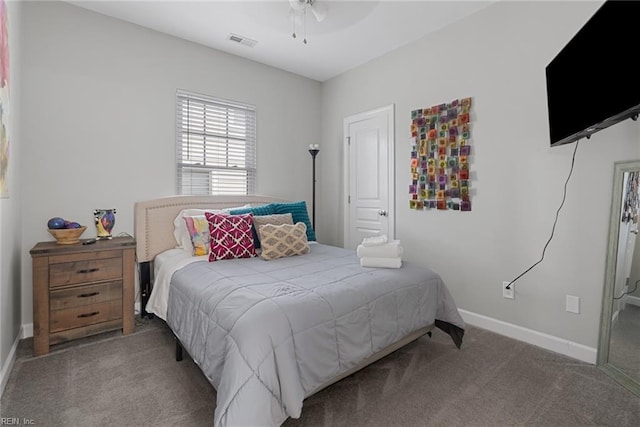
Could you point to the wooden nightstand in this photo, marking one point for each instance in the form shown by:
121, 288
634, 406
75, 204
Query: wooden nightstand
81, 290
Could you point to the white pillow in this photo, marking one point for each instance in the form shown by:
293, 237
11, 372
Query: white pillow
180, 232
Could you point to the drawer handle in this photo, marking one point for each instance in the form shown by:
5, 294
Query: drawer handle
91, 294
90, 270
88, 314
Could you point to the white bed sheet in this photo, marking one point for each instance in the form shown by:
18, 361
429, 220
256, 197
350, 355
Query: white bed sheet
164, 265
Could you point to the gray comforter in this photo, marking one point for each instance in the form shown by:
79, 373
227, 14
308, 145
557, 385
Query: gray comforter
267, 334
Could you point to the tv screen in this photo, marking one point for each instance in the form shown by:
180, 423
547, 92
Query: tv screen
591, 83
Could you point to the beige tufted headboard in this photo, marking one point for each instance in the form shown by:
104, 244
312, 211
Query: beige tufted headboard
153, 219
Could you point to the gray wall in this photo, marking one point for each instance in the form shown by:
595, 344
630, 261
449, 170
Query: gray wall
10, 243
99, 133
497, 57
97, 130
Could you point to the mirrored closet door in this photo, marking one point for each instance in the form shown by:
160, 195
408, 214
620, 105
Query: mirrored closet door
619, 346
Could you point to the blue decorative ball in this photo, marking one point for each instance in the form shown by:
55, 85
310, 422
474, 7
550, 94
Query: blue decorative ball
56, 223
72, 225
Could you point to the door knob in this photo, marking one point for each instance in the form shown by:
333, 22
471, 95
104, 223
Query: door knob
382, 213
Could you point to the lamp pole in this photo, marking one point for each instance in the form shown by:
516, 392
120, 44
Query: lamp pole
313, 150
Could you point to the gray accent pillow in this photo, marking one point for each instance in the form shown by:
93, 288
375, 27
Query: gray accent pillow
275, 219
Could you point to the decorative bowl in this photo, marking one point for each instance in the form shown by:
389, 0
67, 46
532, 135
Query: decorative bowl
67, 236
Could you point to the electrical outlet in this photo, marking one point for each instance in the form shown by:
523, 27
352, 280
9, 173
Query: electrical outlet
508, 293
573, 304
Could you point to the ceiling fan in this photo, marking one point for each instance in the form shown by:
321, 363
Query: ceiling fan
299, 7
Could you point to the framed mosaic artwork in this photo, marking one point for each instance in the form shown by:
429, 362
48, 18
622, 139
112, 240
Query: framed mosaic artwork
440, 153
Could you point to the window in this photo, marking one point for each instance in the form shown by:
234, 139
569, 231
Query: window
215, 145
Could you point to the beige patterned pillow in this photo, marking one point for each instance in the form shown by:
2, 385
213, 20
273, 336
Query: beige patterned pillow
284, 240
275, 219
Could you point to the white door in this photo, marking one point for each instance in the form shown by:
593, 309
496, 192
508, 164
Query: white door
369, 175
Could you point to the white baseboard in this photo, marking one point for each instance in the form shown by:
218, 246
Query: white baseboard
549, 342
27, 331
8, 364
633, 300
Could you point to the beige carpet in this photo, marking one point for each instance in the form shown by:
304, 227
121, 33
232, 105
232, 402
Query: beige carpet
111, 380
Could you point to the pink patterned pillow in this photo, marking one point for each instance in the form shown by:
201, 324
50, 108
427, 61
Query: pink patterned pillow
231, 236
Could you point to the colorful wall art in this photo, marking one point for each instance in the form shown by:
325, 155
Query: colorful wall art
4, 101
440, 151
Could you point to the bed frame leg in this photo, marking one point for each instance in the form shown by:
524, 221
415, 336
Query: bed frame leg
145, 289
178, 350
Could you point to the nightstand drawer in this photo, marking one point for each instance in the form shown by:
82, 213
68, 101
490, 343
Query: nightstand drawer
85, 315
83, 295
70, 273
82, 290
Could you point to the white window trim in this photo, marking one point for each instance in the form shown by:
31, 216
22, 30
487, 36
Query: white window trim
215, 145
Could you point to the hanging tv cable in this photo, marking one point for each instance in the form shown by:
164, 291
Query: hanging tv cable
629, 292
564, 197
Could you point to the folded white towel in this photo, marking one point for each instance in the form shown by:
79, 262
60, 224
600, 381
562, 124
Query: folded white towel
374, 241
381, 262
388, 250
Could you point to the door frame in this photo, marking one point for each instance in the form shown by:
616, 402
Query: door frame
391, 170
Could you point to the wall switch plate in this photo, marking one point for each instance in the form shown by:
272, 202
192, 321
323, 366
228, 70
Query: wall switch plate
573, 304
508, 293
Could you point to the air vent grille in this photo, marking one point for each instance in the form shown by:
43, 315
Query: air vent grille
242, 40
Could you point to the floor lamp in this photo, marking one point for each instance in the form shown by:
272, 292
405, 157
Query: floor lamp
314, 149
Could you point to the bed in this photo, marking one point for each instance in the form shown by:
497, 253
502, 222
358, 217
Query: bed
269, 334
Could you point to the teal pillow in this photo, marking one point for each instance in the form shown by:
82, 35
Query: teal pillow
298, 211
256, 211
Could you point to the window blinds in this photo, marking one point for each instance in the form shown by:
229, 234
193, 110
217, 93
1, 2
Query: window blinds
215, 145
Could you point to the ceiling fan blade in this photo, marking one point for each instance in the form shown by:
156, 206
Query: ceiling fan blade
319, 10
298, 4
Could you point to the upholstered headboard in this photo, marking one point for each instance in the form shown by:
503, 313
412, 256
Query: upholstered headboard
153, 220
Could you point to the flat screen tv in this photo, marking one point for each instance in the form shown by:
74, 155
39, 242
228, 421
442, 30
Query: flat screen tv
593, 82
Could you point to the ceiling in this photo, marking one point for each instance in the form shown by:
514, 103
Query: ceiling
353, 32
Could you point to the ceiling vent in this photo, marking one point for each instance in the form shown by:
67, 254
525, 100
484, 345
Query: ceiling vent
242, 40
